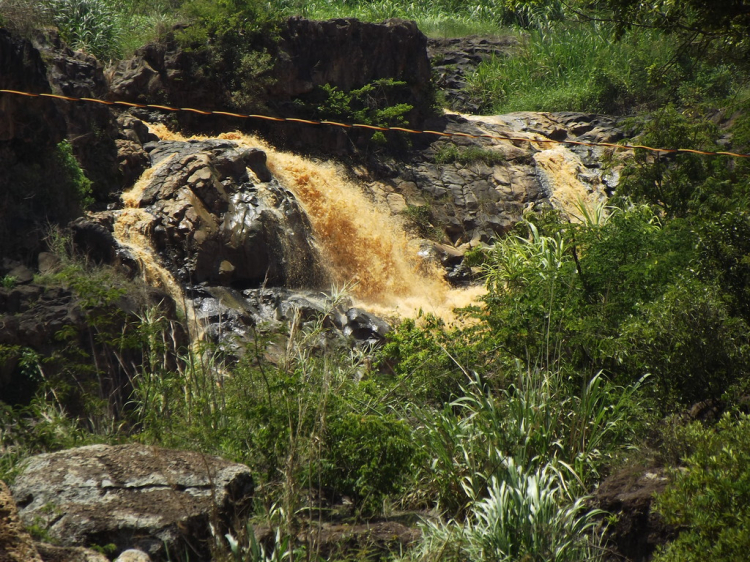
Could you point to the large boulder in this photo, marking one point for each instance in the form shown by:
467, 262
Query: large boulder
211, 222
157, 500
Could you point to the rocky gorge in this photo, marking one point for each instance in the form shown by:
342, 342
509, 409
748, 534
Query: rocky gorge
240, 232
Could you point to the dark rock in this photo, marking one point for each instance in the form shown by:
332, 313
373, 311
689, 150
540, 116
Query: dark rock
481, 200
94, 240
21, 274
628, 495
365, 327
48, 263
212, 224
157, 500
344, 53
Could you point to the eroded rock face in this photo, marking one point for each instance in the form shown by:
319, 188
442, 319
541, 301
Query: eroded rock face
157, 500
212, 222
481, 198
345, 53
348, 53
15, 543
35, 192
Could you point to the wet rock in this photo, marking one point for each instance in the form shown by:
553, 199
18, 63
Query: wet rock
483, 197
233, 317
157, 500
211, 222
365, 327
628, 495
16, 544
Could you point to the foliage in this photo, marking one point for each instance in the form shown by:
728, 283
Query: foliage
419, 219
721, 24
527, 515
449, 152
676, 184
709, 498
575, 67
368, 457
304, 424
689, 342
223, 19
417, 356
76, 180
88, 25
376, 103
541, 418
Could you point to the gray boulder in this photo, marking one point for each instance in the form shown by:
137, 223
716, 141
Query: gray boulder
157, 500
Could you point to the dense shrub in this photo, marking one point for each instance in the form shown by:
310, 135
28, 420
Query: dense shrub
709, 498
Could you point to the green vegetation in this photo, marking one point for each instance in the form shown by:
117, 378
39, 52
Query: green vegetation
449, 152
710, 495
591, 333
375, 103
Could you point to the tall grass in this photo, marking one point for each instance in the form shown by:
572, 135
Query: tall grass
541, 419
528, 515
574, 68
447, 18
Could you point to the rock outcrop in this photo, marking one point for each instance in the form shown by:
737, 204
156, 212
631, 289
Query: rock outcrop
228, 314
16, 544
637, 531
35, 182
157, 500
476, 189
211, 222
343, 53
455, 58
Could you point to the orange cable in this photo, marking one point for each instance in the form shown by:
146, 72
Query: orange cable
375, 128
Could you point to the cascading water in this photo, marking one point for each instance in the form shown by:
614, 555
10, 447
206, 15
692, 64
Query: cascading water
364, 247
132, 230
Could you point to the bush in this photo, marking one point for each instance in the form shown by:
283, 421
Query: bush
369, 457
688, 342
709, 498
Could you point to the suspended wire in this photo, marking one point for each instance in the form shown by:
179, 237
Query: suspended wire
376, 128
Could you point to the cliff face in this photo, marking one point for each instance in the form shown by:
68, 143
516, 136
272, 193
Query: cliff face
37, 188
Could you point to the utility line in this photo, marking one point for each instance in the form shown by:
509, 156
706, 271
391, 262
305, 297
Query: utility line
376, 128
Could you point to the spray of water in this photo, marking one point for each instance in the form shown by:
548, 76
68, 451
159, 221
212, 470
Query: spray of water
365, 248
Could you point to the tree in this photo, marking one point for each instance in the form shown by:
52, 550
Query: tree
719, 25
